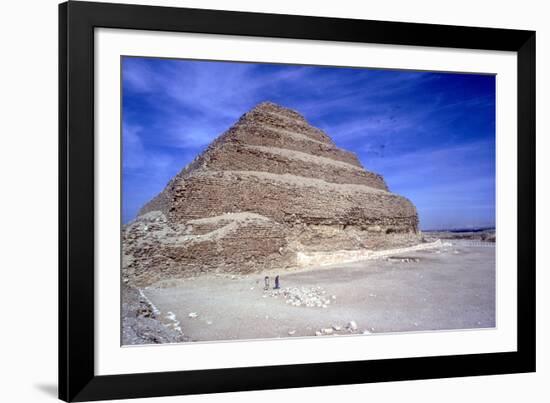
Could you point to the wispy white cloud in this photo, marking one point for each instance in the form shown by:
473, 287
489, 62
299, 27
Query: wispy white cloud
133, 150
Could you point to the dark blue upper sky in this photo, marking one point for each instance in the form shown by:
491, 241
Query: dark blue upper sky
431, 135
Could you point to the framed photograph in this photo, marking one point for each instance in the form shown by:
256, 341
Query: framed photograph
258, 201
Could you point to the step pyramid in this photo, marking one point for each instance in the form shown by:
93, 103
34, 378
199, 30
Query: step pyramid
270, 189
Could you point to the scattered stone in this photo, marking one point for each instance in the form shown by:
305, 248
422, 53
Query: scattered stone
336, 328
141, 323
327, 330
291, 332
318, 333
310, 297
193, 315
403, 259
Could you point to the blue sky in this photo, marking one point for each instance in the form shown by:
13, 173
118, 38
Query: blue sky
431, 135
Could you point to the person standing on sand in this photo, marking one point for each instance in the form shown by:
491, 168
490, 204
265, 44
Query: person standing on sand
276, 283
266, 281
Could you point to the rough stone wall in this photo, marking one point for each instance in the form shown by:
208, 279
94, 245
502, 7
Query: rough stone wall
283, 161
255, 134
288, 198
156, 249
274, 116
269, 188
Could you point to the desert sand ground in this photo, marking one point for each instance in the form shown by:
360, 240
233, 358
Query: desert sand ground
451, 287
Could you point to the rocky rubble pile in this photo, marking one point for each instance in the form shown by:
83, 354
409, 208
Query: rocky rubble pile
336, 330
311, 297
141, 324
403, 259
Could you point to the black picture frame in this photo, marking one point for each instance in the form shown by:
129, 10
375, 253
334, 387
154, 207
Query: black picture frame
77, 21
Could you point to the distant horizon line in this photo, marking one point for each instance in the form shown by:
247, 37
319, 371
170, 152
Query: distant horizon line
462, 229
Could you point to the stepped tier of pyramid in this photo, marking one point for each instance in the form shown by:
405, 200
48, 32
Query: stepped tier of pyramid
270, 189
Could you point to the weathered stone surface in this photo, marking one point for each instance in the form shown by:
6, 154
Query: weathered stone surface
141, 324
268, 189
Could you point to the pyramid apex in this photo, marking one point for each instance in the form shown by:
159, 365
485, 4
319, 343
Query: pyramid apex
272, 107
